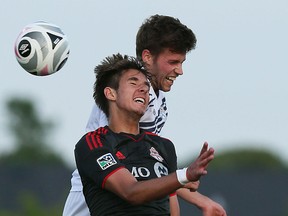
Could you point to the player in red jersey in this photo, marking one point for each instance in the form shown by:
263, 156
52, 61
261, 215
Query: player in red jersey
125, 170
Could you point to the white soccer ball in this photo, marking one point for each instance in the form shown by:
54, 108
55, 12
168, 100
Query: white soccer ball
41, 48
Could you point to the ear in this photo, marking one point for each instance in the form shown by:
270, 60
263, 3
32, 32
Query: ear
110, 93
147, 57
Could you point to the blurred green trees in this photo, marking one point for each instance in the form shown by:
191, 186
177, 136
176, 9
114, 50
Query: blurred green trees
247, 158
244, 158
33, 172
32, 153
30, 133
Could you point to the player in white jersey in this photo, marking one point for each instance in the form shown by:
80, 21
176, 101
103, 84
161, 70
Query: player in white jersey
162, 43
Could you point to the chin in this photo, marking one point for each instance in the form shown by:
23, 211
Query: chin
166, 89
141, 113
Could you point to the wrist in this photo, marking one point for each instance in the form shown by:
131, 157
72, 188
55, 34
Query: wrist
181, 176
201, 201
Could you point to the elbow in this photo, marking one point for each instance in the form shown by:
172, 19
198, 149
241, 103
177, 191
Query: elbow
134, 199
135, 202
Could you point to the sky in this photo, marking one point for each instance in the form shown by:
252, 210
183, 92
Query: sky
233, 93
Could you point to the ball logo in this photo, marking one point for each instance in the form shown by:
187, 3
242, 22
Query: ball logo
24, 48
41, 48
54, 39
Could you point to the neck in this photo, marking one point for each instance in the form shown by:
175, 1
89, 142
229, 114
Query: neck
124, 123
154, 86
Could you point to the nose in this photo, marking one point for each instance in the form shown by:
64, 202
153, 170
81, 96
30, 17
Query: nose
178, 70
144, 88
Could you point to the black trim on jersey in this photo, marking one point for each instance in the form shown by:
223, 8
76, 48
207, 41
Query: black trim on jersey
149, 104
158, 122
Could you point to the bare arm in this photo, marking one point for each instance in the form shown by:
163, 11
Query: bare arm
174, 206
128, 188
207, 206
125, 185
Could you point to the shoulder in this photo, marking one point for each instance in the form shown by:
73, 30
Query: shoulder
154, 97
101, 131
158, 102
165, 145
158, 138
92, 140
161, 95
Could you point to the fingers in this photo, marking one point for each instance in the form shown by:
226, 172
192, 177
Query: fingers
192, 186
198, 168
204, 148
206, 155
206, 158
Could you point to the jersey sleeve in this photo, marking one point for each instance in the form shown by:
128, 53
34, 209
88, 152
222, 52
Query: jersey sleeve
96, 119
95, 158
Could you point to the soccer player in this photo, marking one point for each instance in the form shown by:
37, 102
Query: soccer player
162, 43
126, 170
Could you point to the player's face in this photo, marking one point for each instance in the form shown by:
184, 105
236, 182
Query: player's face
165, 69
133, 92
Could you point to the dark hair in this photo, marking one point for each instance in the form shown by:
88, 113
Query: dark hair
159, 32
108, 74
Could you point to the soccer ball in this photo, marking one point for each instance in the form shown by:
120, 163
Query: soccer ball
41, 48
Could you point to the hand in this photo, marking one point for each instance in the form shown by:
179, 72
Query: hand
192, 186
204, 203
198, 167
212, 208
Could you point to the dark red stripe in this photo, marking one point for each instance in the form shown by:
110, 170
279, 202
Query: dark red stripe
93, 139
88, 141
150, 133
98, 137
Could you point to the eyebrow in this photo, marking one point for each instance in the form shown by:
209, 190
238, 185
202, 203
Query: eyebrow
136, 79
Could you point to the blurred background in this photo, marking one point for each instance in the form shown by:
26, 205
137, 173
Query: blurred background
233, 94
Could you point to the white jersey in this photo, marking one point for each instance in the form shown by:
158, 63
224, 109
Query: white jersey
156, 113
153, 120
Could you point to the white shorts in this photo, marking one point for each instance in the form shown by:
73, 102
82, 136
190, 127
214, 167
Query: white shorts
75, 204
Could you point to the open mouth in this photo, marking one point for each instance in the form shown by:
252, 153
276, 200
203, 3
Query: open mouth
172, 79
139, 100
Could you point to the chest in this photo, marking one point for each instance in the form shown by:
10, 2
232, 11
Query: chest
143, 160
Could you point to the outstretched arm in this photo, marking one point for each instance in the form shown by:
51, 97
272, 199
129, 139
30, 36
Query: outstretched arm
128, 188
122, 182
